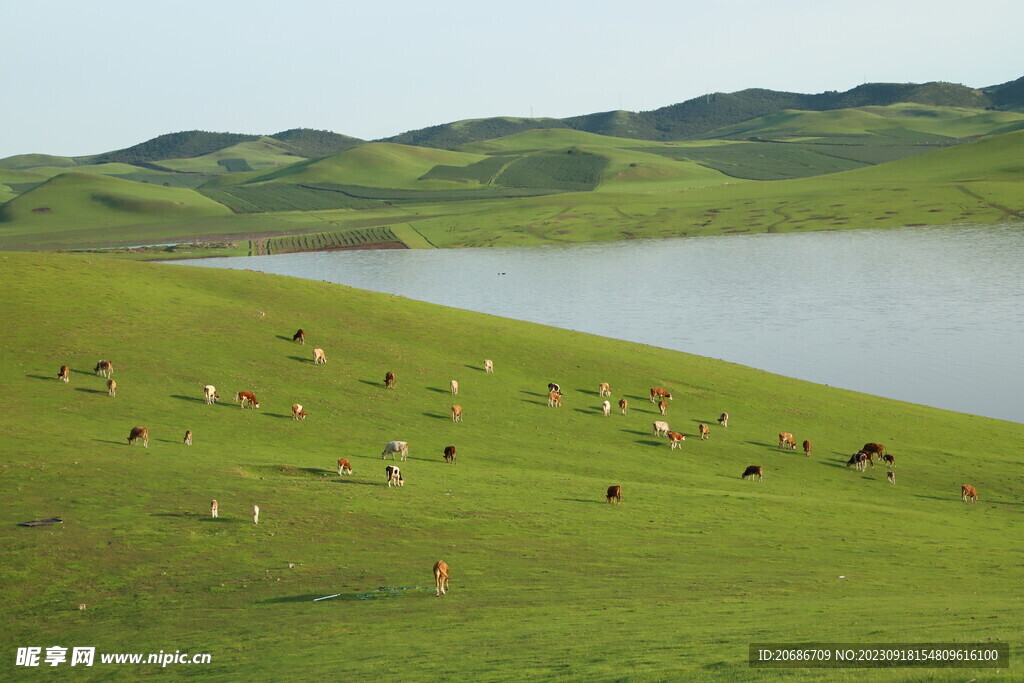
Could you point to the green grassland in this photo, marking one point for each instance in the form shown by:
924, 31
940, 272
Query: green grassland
548, 581
257, 155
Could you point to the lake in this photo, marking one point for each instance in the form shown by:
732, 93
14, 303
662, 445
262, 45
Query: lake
930, 315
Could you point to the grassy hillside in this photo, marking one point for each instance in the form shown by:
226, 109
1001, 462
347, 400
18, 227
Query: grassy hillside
548, 581
245, 156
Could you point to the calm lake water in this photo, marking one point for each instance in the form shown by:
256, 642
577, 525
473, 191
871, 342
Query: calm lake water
926, 315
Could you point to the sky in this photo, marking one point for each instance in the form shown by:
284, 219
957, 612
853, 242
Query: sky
82, 78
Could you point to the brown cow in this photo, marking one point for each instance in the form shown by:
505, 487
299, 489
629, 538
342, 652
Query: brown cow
675, 440
105, 368
64, 374
554, 399
659, 392
723, 419
139, 433
663, 406
299, 336
449, 454
318, 357
614, 494
889, 460
891, 476
753, 471
807, 448
389, 380
603, 389
441, 577
874, 449
111, 387
246, 397
623, 405
705, 433
188, 437
456, 413
967, 491
344, 467
298, 413
214, 509
786, 441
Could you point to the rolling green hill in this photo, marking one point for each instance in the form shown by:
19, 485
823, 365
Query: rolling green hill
548, 581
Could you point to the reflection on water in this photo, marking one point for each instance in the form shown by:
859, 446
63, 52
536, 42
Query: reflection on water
927, 315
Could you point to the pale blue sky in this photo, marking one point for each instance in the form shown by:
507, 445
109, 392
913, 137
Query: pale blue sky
82, 78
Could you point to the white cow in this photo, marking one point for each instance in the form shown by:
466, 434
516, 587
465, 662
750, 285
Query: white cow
392, 447
660, 428
210, 394
606, 406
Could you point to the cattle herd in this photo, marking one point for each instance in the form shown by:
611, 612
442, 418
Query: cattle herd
861, 460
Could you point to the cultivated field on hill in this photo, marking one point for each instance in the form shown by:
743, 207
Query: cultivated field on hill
548, 580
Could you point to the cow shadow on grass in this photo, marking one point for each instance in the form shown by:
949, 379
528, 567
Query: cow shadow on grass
438, 390
43, 377
90, 391
479, 368
372, 383
194, 399
833, 463
532, 393
774, 446
301, 359
119, 443
583, 500
284, 337
278, 415
536, 403
589, 411
636, 431
650, 442
437, 416
349, 481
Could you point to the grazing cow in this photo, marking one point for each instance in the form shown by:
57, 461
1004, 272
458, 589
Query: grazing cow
552, 386
344, 467
623, 405
392, 447
188, 437
889, 460
705, 433
606, 406
675, 440
318, 357
394, 476
967, 491
210, 394
663, 406
455, 387
299, 336
139, 433
449, 454
554, 399
807, 448
723, 419
614, 494
603, 389
389, 380
786, 441
246, 397
456, 413
658, 392
213, 509
441, 577
860, 461
111, 387
488, 366
891, 476
297, 412
64, 374
660, 428
256, 514
105, 368
753, 471
873, 449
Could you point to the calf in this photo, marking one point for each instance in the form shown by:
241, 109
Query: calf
256, 514
889, 460
137, 434
660, 428
807, 448
860, 461
441, 577
554, 399
454, 387
64, 374
246, 397
105, 368
705, 433
449, 454
723, 419
111, 387
967, 491
753, 471
389, 380
210, 394
891, 476
603, 389
392, 447
188, 437
623, 405
344, 467
658, 392
298, 413
318, 357
675, 440
786, 441
394, 476
299, 336
213, 509
614, 494
606, 406
488, 366
663, 406
456, 413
